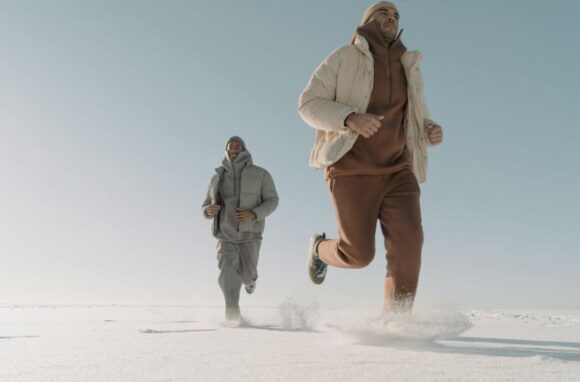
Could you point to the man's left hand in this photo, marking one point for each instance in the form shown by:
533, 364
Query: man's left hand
243, 215
435, 134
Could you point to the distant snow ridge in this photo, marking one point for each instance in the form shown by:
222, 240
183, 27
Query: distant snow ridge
550, 319
298, 317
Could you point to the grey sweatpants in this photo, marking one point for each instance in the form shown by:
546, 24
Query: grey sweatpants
238, 264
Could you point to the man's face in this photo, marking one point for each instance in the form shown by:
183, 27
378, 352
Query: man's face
234, 149
388, 19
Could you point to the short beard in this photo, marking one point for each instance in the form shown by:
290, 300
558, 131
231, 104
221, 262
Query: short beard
390, 36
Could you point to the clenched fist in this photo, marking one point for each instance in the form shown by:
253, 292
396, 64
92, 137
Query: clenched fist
243, 215
435, 134
213, 209
364, 124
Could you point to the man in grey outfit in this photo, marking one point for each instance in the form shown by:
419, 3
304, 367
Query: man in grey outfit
239, 198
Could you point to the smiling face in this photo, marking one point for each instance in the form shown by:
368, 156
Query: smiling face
234, 149
388, 20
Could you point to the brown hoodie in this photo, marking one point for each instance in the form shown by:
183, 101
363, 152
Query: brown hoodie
384, 152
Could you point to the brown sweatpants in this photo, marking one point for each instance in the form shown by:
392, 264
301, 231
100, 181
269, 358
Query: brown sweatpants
359, 201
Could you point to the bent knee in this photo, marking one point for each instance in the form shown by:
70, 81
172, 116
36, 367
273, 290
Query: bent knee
229, 260
357, 257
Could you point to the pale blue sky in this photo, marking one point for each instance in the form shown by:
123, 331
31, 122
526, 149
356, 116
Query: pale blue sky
113, 115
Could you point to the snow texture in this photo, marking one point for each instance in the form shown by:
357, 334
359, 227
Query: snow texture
292, 342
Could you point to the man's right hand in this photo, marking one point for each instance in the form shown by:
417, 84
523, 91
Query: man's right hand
364, 124
213, 209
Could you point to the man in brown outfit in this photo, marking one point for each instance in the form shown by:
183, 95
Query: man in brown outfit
366, 102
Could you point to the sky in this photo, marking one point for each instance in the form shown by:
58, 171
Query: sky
114, 114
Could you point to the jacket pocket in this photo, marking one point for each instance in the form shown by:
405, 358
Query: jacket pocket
249, 200
259, 226
330, 150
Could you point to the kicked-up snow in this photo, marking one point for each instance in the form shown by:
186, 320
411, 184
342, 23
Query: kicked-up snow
292, 342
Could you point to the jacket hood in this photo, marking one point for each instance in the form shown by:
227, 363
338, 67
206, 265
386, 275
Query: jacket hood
242, 160
371, 32
363, 45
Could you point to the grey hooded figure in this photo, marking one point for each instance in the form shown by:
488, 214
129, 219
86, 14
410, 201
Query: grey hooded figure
239, 198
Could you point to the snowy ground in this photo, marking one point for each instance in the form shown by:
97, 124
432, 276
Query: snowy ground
287, 343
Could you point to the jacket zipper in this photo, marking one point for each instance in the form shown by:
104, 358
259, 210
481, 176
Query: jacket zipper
236, 194
389, 76
235, 183
389, 67
238, 191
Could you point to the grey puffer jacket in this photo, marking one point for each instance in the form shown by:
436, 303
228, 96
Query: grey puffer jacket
256, 192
